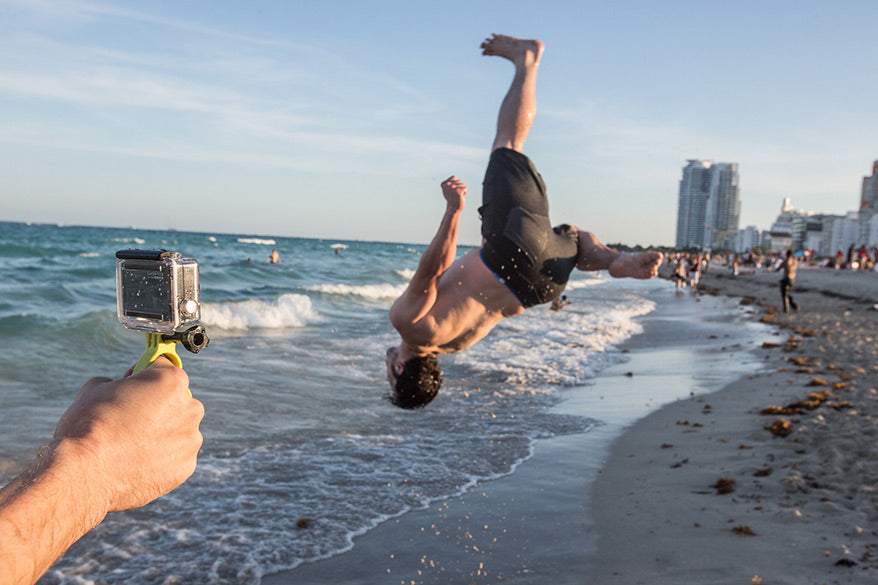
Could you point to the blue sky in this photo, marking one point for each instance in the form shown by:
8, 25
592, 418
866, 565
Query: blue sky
339, 119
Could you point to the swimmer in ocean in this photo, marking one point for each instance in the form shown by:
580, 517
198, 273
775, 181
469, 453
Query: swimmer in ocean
450, 303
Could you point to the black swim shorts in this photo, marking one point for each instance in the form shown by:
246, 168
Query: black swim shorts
522, 248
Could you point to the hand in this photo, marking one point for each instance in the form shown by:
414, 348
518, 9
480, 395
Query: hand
454, 191
139, 435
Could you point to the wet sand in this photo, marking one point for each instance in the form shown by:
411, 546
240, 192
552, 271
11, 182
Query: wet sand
702, 491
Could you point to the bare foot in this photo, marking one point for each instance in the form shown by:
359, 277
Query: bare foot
640, 265
519, 51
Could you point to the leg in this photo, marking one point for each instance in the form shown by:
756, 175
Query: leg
593, 255
785, 294
788, 301
520, 104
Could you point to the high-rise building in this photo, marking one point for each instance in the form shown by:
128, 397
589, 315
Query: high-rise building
708, 208
723, 206
869, 206
869, 198
692, 203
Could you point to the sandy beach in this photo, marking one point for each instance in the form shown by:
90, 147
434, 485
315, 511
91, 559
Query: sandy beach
703, 491
697, 491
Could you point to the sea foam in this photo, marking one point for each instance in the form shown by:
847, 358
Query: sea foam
260, 241
290, 310
368, 291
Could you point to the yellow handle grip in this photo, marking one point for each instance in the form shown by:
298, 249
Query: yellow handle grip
155, 347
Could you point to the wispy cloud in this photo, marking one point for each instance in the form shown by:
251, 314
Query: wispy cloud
80, 12
284, 108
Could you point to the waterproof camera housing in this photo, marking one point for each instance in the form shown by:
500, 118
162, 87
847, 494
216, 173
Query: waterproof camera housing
157, 291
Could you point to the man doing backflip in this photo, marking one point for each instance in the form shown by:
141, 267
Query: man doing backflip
450, 303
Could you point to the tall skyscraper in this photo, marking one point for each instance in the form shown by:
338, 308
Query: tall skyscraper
708, 208
869, 199
692, 203
869, 206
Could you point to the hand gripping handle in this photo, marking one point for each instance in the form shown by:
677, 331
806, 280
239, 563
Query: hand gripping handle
155, 347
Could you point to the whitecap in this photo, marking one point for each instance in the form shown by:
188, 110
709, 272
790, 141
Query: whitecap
405, 273
290, 310
130, 240
369, 291
586, 280
260, 241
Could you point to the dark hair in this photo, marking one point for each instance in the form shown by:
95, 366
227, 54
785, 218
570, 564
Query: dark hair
418, 383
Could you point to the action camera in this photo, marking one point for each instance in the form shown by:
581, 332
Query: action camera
157, 291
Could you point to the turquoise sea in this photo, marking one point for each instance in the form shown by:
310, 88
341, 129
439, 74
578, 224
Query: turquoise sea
297, 423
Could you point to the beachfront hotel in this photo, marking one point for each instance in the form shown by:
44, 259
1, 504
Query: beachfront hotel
869, 197
708, 207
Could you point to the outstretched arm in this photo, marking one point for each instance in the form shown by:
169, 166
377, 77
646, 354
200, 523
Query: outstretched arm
593, 255
120, 445
421, 293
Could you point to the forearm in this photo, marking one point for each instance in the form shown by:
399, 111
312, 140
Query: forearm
44, 511
441, 252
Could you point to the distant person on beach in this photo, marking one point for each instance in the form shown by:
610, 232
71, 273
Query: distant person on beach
559, 304
694, 272
680, 274
273, 258
789, 265
450, 304
120, 445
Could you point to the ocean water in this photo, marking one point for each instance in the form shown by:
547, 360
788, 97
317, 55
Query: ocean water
297, 423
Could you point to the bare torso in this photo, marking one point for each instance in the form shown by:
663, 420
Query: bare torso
470, 301
790, 266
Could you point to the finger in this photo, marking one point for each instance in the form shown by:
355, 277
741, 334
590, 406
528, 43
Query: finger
162, 362
93, 383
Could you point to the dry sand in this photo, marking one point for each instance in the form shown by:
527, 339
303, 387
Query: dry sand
701, 491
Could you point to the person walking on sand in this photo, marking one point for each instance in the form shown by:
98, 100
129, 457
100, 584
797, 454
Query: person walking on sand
450, 303
681, 271
789, 267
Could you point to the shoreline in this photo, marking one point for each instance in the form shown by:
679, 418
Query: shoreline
644, 508
794, 509
535, 525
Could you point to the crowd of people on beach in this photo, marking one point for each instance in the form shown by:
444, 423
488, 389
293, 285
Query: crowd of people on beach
856, 258
689, 266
